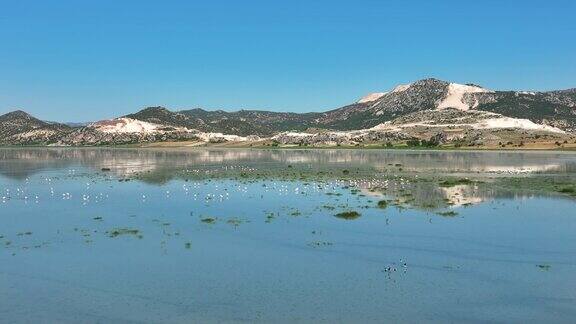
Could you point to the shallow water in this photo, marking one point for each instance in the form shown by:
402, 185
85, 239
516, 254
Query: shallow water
179, 236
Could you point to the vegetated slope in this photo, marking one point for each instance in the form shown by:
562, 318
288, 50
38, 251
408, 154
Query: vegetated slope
552, 108
20, 128
555, 108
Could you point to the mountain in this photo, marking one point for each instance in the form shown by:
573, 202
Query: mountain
126, 130
163, 116
555, 108
242, 122
435, 127
252, 122
416, 110
20, 128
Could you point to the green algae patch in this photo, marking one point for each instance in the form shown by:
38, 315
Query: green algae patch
382, 204
348, 215
124, 231
449, 213
568, 190
208, 220
269, 217
235, 221
541, 185
455, 182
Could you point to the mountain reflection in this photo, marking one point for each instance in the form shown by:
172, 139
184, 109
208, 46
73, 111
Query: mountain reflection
20, 163
393, 175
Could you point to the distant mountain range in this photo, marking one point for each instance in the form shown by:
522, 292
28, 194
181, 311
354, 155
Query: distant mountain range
424, 108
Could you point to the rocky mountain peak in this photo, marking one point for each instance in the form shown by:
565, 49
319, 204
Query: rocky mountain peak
16, 114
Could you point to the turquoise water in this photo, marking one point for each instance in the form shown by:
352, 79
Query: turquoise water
179, 236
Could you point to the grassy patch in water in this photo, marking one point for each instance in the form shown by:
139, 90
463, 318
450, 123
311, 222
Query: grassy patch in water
449, 213
543, 184
348, 215
382, 204
455, 182
567, 190
124, 231
269, 217
234, 221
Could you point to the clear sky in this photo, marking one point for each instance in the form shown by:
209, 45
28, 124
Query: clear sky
87, 60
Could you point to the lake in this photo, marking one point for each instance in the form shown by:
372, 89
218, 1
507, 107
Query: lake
286, 236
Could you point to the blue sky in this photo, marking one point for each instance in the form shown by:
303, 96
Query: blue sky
89, 60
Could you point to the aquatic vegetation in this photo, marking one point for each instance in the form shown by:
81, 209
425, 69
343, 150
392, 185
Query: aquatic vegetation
382, 204
124, 231
348, 215
455, 182
568, 190
449, 213
269, 217
564, 185
234, 221
354, 191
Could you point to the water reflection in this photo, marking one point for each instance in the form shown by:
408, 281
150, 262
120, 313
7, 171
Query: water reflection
405, 178
20, 163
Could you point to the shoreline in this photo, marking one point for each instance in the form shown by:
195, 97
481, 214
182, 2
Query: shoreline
194, 146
